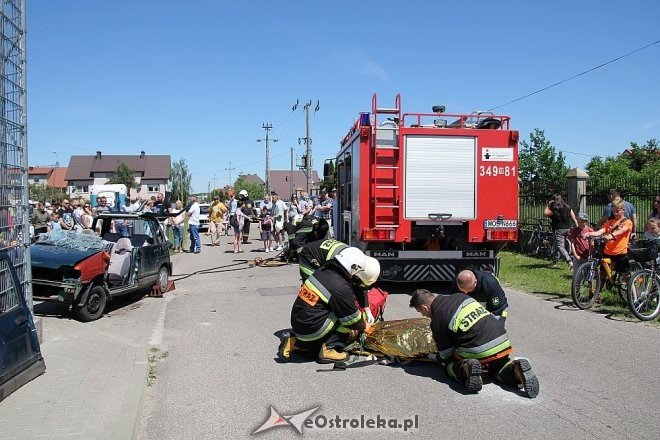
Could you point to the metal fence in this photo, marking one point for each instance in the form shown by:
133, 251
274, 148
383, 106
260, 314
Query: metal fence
639, 191
14, 209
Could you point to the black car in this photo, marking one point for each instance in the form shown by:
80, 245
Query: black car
121, 254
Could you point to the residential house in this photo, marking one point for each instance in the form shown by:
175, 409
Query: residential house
51, 177
253, 178
152, 173
283, 182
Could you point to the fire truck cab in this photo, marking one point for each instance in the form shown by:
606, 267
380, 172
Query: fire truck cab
427, 194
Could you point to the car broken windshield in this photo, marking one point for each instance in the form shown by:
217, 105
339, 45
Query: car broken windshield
72, 240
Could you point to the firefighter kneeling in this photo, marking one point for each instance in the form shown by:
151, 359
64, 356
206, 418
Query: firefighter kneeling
471, 342
325, 311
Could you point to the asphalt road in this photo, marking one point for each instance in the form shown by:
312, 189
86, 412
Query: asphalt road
600, 378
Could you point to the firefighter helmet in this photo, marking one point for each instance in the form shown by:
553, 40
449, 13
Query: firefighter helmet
243, 194
297, 219
364, 268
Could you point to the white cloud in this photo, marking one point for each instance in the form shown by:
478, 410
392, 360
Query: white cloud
649, 125
361, 64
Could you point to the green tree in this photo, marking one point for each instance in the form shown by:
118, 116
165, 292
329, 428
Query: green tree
124, 175
632, 171
255, 191
641, 157
329, 182
542, 169
222, 194
39, 192
180, 179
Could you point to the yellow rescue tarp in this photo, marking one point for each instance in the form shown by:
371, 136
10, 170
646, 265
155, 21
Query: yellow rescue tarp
407, 338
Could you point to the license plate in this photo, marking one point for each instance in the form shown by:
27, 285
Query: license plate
495, 224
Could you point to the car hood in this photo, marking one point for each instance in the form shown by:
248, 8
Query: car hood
52, 257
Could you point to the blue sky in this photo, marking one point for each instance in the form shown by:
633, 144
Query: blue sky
197, 78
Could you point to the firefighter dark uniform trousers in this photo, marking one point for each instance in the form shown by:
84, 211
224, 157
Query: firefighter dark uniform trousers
325, 310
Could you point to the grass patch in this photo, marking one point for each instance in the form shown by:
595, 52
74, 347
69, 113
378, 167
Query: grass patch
154, 356
537, 276
153, 370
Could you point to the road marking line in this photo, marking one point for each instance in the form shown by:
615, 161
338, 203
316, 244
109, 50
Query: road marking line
159, 328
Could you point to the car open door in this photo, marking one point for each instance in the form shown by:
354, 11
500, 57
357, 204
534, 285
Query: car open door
20, 356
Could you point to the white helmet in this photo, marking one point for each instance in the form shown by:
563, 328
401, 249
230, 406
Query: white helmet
297, 219
243, 193
366, 269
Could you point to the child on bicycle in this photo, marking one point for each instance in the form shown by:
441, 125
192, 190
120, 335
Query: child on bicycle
579, 245
617, 233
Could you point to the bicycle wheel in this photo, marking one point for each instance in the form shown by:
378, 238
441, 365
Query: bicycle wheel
635, 266
621, 286
523, 241
644, 295
532, 246
543, 248
554, 250
585, 286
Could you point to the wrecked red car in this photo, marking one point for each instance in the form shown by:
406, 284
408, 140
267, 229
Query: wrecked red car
121, 254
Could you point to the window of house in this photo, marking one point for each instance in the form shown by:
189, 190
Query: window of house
82, 188
153, 188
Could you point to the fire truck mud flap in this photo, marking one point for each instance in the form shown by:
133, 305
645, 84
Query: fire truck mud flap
406, 270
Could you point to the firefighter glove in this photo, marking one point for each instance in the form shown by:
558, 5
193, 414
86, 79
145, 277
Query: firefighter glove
368, 316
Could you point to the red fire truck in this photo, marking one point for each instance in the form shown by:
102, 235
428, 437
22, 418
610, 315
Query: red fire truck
427, 194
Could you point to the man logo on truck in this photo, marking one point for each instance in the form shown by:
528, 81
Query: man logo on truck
385, 254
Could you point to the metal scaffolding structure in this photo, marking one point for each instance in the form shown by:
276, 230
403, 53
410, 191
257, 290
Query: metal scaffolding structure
14, 207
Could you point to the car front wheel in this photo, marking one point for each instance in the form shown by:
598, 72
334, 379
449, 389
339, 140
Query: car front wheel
94, 306
163, 278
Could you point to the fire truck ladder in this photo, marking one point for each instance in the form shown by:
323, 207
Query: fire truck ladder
386, 166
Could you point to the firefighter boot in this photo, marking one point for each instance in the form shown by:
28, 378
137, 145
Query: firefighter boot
287, 347
469, 372
330, 355
472, 370
523, 374
518, 373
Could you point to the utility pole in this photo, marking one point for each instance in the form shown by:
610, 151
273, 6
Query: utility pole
267, 127
230, 169
308, 143
291, 175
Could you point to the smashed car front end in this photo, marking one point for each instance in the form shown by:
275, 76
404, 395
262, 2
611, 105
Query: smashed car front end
64, 266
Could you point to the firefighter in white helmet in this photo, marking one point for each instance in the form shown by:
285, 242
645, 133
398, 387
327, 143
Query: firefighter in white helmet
248, 210
325, 312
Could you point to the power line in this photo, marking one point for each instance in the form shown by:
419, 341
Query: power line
573, 152
575, 76
243, 165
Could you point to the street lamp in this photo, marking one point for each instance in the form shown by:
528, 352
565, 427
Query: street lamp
57, 160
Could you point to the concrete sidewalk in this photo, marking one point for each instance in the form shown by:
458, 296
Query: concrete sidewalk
95, 379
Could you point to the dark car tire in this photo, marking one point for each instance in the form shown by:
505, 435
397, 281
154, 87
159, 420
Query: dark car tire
94, 306
163, 278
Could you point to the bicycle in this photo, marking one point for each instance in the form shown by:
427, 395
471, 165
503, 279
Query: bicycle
542, 243
590, 276
644, 288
